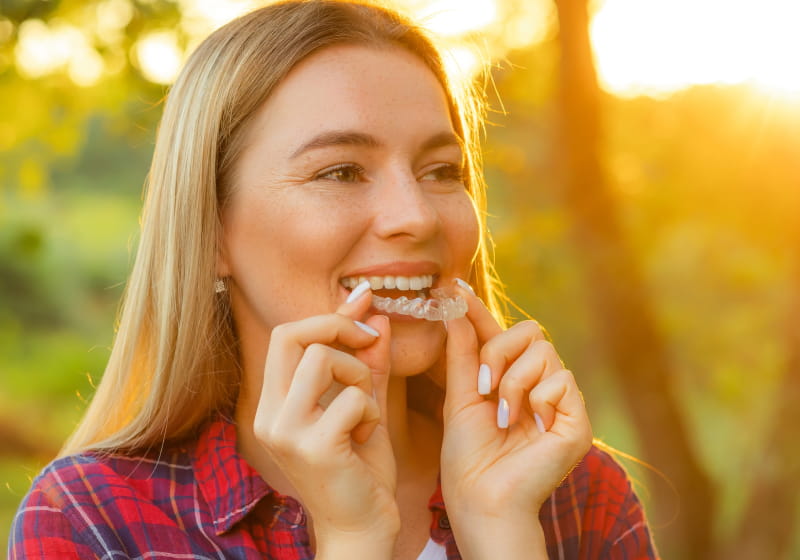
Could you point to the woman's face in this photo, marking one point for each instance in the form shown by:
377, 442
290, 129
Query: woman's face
351, 168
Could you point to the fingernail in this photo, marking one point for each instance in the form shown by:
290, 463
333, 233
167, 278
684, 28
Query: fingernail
484, 380
465, 286
502, 414
539, 423
366, 328
358, 291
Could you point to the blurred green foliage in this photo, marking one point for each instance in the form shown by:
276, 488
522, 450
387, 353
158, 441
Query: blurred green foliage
706, 180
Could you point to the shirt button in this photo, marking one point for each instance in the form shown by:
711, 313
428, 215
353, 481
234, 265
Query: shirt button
444, 523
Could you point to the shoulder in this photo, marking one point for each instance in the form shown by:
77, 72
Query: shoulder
44, 525
74, 503
92, 478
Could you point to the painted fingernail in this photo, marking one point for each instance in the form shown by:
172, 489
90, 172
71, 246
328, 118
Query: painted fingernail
539, 423
465, 286
358, 291
502, 414
484, 380
366, 328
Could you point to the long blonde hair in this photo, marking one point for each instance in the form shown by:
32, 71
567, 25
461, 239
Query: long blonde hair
174, 359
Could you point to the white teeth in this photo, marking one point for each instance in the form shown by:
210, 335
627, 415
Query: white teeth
414, 283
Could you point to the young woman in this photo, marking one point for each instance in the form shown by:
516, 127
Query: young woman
270, 393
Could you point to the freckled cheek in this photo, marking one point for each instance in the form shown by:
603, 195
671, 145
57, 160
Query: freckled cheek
463, 233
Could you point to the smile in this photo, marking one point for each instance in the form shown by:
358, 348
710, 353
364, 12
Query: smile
442, 306
402, 283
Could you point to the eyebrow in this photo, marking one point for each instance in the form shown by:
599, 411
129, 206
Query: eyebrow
354, 138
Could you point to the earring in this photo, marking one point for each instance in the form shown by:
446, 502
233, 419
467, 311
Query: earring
219, 286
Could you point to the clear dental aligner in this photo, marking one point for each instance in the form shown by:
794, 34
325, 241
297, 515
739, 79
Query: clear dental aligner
443, 306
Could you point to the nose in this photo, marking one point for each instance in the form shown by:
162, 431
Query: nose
403, 209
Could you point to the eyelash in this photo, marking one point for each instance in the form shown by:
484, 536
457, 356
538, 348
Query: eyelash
448, 173
445, 173
327, 174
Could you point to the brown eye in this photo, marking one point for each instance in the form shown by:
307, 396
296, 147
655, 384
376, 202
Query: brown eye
445, 173
343, 173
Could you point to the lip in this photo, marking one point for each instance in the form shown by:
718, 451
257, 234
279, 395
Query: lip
397, 268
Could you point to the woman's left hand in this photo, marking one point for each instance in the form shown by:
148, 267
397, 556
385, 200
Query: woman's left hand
502, 457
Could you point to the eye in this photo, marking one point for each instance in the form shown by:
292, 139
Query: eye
444, 173
343, 173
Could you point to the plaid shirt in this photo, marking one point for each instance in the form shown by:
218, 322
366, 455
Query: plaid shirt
205, 501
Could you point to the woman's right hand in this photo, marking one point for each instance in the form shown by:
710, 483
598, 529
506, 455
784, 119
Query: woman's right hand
338, 458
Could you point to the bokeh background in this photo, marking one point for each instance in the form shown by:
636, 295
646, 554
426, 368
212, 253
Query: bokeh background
643, 158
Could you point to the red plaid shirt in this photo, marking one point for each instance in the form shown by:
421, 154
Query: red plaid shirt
205, 501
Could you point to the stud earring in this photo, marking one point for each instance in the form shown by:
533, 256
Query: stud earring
220, 286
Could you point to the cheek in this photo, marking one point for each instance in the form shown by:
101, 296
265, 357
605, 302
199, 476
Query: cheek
463, 231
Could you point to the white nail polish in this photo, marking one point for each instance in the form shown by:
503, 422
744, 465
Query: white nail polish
366, 328
358, 291
484, 380
502, 414
465, 286
539, 423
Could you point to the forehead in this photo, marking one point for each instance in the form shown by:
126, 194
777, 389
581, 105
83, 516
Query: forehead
386, 90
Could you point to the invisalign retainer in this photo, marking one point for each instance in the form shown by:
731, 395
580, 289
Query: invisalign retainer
443, 306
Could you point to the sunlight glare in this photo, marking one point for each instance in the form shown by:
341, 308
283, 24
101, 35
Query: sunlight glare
201, 17
460, 62
42, 50
655, 47
457, 17
159, 56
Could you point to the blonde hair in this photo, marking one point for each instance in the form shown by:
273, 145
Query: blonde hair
174, 359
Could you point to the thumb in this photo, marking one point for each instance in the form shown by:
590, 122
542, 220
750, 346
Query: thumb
377, 357
462, 366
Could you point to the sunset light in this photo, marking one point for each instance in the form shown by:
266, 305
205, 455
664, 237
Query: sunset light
455, 17
651, 47
656, 47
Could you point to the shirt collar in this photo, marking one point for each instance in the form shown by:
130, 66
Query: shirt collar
230, 486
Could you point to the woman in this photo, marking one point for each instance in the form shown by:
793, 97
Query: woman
313, 166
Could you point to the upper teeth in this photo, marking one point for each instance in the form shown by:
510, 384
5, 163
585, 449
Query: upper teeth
390, 282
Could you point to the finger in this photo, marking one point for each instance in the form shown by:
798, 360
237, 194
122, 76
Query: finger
536, 362
318, 369
288, 342
358, 301
486, 326
377, 358
559, 404
462, 366
353, 413
501, 351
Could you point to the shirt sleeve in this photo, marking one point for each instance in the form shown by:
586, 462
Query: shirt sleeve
627, 534
41, 528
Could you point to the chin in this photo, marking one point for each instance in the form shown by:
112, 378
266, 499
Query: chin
416, 352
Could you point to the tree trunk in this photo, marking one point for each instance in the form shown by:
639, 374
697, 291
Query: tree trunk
620, 305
